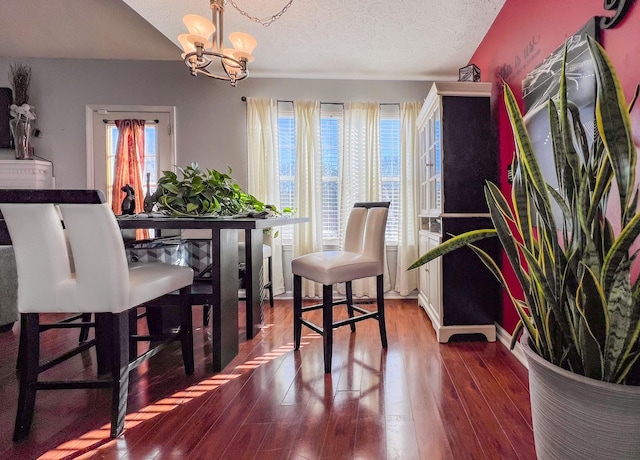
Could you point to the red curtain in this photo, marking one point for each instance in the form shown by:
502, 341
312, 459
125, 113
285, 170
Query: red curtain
129, 165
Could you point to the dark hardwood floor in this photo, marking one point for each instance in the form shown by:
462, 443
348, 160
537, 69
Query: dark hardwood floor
416, 400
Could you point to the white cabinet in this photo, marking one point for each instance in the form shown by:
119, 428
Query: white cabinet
457, 154
429, 157
26, 174
429, 277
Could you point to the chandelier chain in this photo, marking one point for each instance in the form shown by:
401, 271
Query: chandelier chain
266, 22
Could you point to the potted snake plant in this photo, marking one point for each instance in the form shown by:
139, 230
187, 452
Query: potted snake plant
581, 306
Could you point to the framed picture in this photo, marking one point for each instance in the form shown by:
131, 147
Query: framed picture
543, 83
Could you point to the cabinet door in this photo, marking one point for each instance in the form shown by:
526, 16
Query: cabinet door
434, 154
423, 272
423, 173
434, 277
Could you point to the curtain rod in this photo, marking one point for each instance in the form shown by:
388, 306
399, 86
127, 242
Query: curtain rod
104, 120
244, 99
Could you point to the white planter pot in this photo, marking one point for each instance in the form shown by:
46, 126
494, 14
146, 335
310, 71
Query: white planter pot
575, 417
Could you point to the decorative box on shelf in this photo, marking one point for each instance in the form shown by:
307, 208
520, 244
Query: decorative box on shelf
469, 73
26, 174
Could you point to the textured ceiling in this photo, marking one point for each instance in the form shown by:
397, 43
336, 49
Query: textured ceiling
349, 39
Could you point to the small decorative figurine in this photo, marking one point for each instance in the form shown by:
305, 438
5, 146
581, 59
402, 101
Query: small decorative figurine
129, 202
149, 199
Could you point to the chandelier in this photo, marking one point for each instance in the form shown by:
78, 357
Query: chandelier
211, 58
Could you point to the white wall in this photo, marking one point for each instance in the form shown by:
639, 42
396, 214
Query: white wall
210, 114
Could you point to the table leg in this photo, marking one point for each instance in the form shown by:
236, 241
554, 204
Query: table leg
224, 298
252, 281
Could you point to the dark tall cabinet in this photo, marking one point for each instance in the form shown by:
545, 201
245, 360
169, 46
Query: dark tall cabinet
457, 154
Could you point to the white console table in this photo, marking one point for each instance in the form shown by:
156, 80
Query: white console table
26, 174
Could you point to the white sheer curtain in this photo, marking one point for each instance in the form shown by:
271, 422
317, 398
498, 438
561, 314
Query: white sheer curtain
360, 179
360, 171
406, 281
263, 170
308, 185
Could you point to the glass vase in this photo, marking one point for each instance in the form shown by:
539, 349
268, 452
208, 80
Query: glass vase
21, 132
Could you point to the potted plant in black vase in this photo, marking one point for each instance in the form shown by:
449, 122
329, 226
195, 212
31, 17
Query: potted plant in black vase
581, 306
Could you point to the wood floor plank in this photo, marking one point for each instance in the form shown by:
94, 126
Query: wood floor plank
513, 424
342, 425
278, 440
501, 364
415, 400
495, 443
441, 422
243, 446
370, 438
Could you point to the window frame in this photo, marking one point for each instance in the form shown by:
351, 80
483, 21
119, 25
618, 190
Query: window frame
95, 131
331, 111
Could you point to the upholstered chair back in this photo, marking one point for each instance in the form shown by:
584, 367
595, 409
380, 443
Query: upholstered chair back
41, 255
99, 256
365, 231
375, 227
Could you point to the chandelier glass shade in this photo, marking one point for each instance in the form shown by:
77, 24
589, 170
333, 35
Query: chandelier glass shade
204, 51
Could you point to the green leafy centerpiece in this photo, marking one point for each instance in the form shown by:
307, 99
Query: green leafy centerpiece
197, 192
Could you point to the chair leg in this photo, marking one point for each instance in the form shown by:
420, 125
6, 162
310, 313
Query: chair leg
350, 304
327, 325
297, 310
30, 349
22, 341
84, 330
380, 298
133, 330
119, 371
103, 342
270, 281
206, 314
186, 330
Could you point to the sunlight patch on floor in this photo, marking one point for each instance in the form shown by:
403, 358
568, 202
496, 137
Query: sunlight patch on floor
94, 441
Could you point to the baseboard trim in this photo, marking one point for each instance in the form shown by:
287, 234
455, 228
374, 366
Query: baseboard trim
505, 338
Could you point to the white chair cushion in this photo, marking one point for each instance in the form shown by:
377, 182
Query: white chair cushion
331, 267
148, 280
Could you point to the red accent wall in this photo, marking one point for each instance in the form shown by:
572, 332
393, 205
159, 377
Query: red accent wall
522, 35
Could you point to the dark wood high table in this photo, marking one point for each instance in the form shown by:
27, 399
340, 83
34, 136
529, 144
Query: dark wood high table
222, 294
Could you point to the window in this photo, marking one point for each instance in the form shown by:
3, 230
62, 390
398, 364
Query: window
331, 135
101, 130
390, 166
151, 163
331, 142
287, 152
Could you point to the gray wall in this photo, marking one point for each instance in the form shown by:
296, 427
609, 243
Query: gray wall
210, 114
